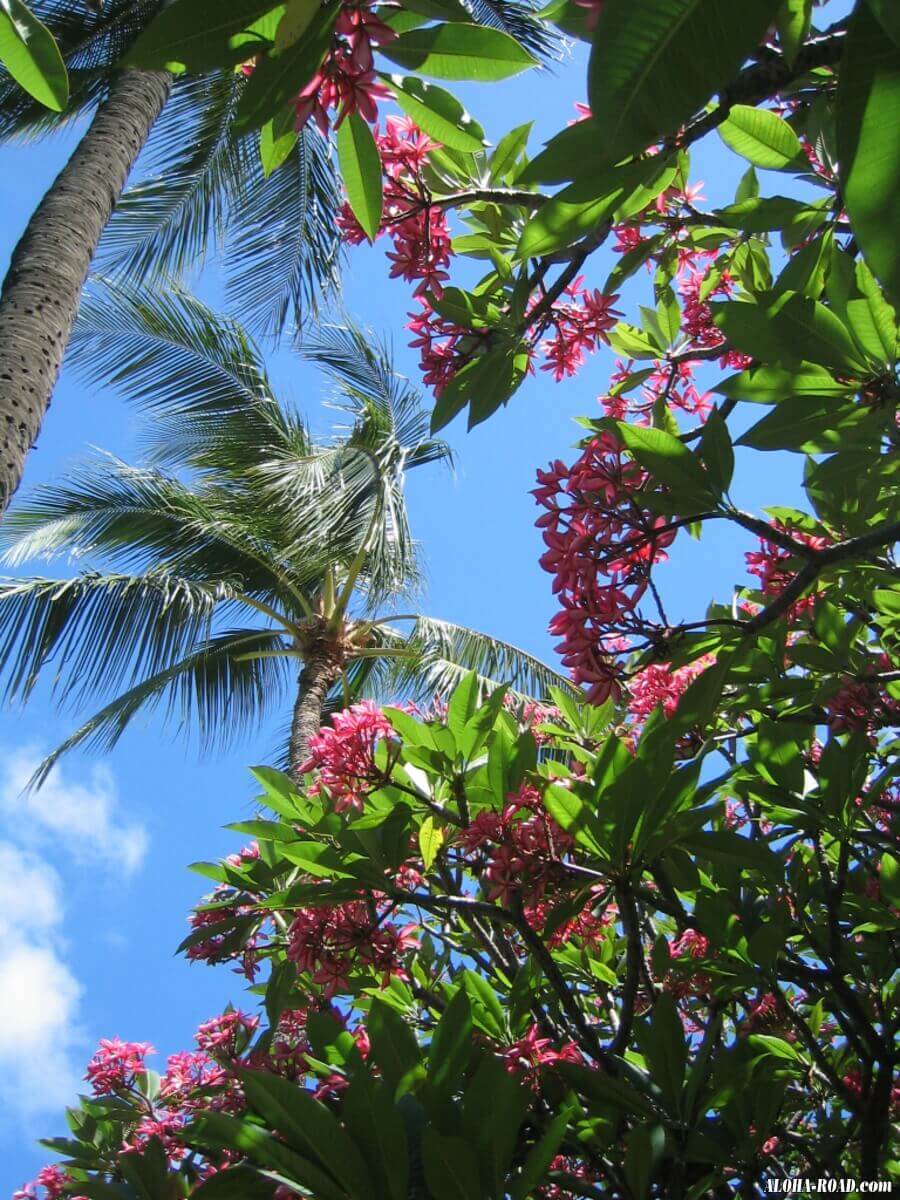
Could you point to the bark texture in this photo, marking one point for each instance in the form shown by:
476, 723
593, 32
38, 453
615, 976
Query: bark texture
41, 293
320, 670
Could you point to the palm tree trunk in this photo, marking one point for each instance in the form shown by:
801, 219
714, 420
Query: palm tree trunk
320, 670
41, 292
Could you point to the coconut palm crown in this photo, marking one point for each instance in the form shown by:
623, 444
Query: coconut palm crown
246, 557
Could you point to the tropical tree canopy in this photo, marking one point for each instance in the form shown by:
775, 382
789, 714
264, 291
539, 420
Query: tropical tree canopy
641, 941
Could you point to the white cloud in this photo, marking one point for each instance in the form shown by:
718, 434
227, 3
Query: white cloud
42, 1043
82, 814
39, 995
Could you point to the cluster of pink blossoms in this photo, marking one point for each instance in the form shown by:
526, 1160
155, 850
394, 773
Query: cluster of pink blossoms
117, 1065
587, 927
775, 567
52, 1180
343, 754
421, 250
529, 1053
580, 323
672, 382
194, 1081
864, 704
659, 686
417, 228
330, 940
683, 979
601, 545
346, 82
523, 846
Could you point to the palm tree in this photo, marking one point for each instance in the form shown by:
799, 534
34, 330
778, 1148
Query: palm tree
205, 185
243, 546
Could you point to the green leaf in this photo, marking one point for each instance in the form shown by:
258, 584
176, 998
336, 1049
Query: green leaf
793, 22
668, 1056
235, 1183
431, 838
198, 35
360, 165
814, 425
29, 52
770, 385
656, 62
377, 1128
868, 143
667, 459
540, 1157
487, 1011
459, 51
309, 1126
717, 452
451, 1169
278, 78
274, 150
633, 342
888, 14
763, 214
297, 18
571, 812
486, 382
787, 330
761, 137
585, 204
438, 113
219, 1131
644, 1150
564, 156
505, 159
395, 1050
451, 1044
734, 848
462, 704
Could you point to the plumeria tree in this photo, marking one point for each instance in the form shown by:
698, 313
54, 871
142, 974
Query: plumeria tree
642, 942
566, 951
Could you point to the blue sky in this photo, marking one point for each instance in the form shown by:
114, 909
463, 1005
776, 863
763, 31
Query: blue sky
93, 887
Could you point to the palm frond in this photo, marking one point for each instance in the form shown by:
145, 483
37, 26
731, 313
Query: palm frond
441, 652
138, 519
519, 19
385, 409
347, 496
196, 372
92, 40
99, 632
216, 689
282, 244
191, 170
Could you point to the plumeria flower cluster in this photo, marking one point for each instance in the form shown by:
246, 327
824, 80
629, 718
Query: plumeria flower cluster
417, 228
529, 1053
775, 566
346, 82
669, 383
343, 755
194, 1081
580, 323
661, 686
523, 847
331, 941
601, 545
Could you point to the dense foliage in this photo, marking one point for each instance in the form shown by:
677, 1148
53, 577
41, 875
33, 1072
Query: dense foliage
564, 951
645, 944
